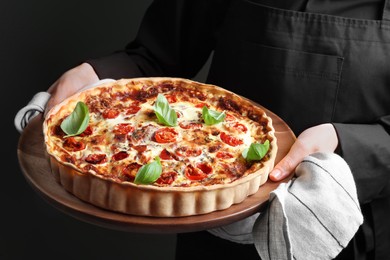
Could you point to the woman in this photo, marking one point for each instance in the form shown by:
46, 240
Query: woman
322, 66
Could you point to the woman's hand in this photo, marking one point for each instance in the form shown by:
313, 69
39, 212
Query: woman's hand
70, 82
321, 138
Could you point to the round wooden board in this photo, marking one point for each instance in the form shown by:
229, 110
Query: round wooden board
36, 169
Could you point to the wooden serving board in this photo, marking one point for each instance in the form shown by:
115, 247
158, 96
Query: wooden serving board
36, 170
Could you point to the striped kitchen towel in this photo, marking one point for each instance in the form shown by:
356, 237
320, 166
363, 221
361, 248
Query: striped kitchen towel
313, 216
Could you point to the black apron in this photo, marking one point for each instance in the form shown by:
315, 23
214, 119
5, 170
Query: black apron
309, 69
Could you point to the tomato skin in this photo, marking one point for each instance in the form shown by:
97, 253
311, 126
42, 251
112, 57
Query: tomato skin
240, 127
110, 113
230, 118
194, 174
120, 156
224, 155
130, 170
230, 140
201, 105
71, 144
96, 158
140, 148
167, 177
57, 131
133, 109
171, 98
165, 155
87, 131
123, 129
165, 135
205, 167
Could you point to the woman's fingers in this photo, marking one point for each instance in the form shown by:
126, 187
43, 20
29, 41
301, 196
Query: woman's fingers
70, 82
321, 138
287, 165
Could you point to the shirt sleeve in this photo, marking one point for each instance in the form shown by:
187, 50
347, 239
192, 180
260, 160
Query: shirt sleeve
366, 148
175, 38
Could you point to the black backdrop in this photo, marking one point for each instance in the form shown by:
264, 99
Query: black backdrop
39, 40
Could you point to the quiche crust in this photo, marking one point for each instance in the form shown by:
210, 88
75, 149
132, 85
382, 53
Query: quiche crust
156, 201
149, 200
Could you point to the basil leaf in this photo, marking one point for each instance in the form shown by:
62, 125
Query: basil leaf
77, 121
212, 117
165, 114
256, 151
149, 173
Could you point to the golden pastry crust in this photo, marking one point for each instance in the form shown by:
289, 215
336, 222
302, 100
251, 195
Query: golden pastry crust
105, 186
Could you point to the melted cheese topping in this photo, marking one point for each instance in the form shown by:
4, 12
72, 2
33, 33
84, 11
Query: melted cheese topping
213, 152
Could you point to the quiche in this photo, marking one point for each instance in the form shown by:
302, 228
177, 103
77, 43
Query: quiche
162, 147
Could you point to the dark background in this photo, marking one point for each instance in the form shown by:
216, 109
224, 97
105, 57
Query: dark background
39, 40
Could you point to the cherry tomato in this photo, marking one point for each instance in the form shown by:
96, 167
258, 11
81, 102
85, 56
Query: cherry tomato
201, 105
224, 155
132, 109
130, 170
57, 131
87, 131
165, 155
167, 177
96, 158
230, 140
205, 167
110, 113
140, 148
240, 127
165, 135
120, 156
229, 117
123, 129
71, 144
171, 98
194, 174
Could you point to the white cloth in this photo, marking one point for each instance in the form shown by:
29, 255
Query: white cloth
238, 232
313, 216
38, 104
